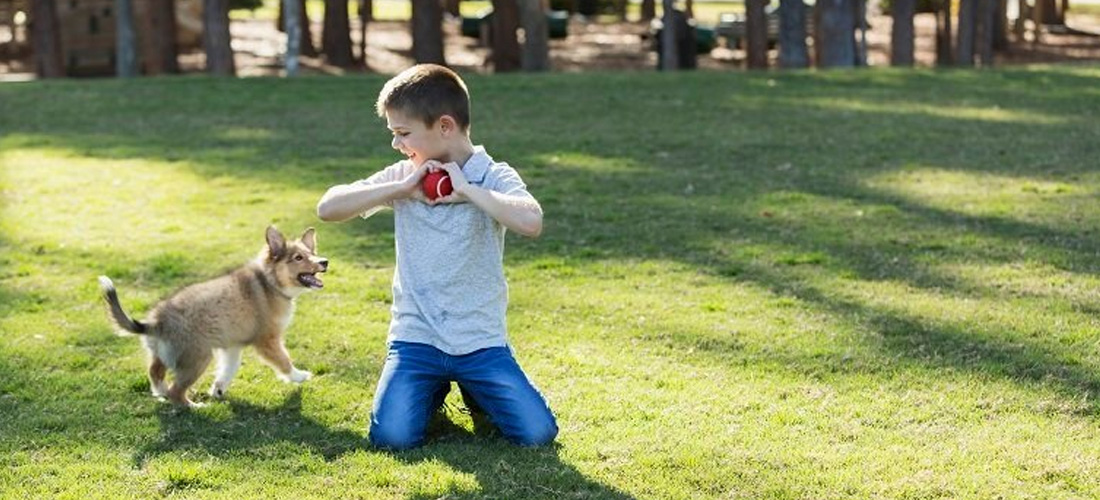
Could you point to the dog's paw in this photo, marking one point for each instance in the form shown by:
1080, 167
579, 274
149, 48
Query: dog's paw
218, 391
298, 376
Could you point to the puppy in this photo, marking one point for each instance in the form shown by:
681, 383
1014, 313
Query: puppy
251, 305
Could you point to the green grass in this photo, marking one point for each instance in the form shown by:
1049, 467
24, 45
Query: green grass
803, 285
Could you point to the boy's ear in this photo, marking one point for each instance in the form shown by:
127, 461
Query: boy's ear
447, 124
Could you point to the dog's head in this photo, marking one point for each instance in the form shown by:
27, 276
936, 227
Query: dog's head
294, 264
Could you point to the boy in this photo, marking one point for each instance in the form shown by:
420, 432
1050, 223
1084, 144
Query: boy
449, 291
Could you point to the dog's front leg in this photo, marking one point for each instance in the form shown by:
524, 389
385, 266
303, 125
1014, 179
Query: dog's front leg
273, 351
229, 361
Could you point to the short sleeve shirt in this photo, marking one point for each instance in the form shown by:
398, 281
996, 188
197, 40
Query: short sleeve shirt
449, 289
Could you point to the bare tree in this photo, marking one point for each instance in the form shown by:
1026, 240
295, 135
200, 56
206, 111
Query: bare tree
669, 56
756, 34
305, 38
901, 36
125, 40
427, 31
836, 33
968, 19
292, 28
505, 46
944, 57
536, 35
792, 34
336, 34
45, 36
216, 39
649, 10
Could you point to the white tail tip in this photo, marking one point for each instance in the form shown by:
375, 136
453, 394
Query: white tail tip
105, 283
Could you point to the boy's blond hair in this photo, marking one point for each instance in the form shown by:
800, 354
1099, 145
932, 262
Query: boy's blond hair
426, 92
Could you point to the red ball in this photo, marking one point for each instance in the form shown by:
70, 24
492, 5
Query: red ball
437, 184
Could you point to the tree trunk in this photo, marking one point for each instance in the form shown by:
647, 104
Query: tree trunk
836, 33
968, 18
505, 46
861, 22
901, 36
756, 34
125, 40
365, 17
649, 10
336, 34
987, 19
792, 34
216, 39
305, 40
536, 31
1000, 30
163, 32
292, 27
1051, 13
669, 57
46, 38
943, 34
452, 7
427, 28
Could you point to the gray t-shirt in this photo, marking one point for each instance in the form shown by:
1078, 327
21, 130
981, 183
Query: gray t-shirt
448, 287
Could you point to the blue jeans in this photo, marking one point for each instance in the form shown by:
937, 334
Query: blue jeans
416, 378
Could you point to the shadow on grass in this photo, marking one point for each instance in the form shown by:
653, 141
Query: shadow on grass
502, 470
249, 428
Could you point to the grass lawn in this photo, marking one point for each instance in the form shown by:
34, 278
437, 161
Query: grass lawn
804, 285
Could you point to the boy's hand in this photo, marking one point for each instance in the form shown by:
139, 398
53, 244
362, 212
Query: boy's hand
458, 183
410, 185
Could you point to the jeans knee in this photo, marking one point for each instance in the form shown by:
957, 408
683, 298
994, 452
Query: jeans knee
393, 437
537, 435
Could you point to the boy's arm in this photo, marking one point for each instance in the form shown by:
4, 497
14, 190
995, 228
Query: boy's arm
521, 214
347, 201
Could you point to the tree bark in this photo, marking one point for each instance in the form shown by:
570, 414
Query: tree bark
901, 36
836, 33
125, 40
215, 38
427, 28
792, 34
536, 35
669, 57
649, 10
163, 32
987, 20
756, 34
943, 34
305, 40
505, 46
292, 27
336, 34
968, 18
46, 38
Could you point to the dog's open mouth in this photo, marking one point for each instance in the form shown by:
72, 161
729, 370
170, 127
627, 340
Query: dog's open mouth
310, 280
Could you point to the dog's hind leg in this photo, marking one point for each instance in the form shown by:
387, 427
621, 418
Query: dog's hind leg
188, 370
229, 361
271, 349
157, 370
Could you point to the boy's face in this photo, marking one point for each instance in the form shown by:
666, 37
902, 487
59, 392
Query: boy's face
414, 139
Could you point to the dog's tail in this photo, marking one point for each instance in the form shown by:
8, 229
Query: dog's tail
121, 319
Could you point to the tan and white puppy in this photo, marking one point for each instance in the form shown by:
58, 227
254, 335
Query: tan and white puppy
251, 305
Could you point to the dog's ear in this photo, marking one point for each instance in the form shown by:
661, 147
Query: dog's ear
276, 243
309, 239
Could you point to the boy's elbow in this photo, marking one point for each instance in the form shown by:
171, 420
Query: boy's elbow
325, 212
533, 228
